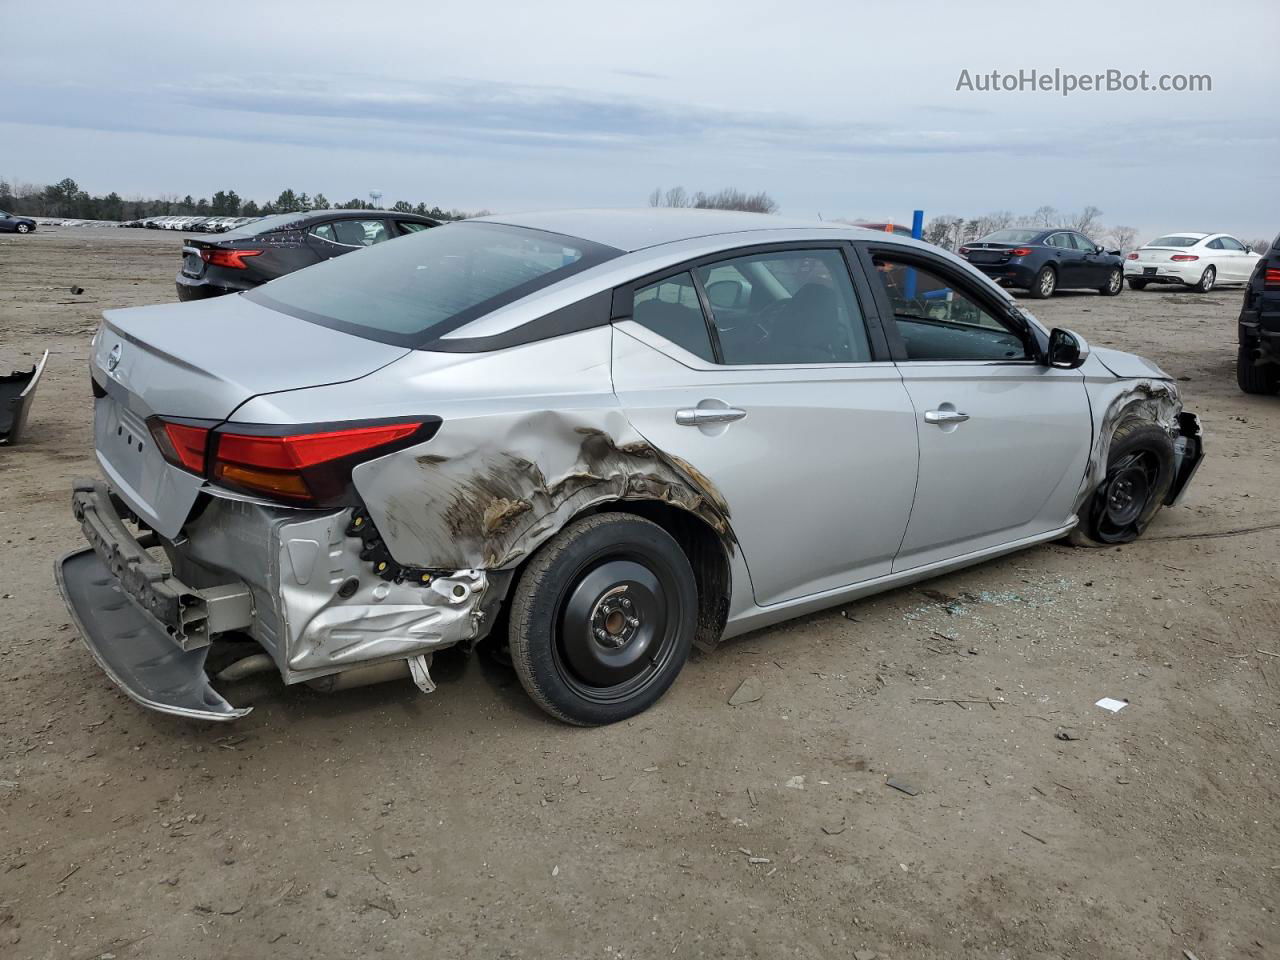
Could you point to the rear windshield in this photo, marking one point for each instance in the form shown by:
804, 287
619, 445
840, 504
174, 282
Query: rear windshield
1010, 236
266, 224
1174, 241
416, 288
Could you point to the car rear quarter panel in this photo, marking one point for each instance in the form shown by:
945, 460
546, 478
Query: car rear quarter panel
531, 436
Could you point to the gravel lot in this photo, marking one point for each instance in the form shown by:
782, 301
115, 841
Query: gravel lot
468, 824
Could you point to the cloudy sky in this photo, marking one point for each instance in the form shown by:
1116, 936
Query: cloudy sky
843, 109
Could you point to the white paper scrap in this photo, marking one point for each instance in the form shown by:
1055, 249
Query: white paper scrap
1107, 703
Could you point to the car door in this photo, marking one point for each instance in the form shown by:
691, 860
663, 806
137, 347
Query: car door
1004, 439
1237, 259
1095, 268
1066, 258
785, 399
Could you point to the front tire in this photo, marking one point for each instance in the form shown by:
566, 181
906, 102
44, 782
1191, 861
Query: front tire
1140, 467
1135, 284
23, 228
602, 619
1252, 378
1045, 282
1206, 281
1114, 284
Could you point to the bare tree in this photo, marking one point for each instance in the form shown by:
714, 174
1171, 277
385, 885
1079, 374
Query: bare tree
1045, 216
1123, 237
1086, 221
1261, 245
730, 198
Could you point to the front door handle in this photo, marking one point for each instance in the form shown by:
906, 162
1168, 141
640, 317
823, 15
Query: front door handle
701, 416
945, 416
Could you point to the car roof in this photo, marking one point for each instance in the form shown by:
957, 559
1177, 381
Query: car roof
636, 229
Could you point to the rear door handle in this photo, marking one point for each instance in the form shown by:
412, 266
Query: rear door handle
945, 416
700, 416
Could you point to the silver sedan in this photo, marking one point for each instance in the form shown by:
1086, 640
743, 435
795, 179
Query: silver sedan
595, 438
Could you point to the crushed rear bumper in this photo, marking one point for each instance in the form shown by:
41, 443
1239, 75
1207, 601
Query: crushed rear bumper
132, 647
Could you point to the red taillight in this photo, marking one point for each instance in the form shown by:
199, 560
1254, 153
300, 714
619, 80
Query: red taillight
1183, 257
228, 258
1132, 256
181, 444
1271, 279
312, 467
1020, 252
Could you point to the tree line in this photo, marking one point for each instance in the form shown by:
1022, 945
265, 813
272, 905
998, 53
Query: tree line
66, 199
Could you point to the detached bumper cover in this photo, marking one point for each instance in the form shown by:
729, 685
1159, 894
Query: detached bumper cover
16, 393
131, 646
1188, 453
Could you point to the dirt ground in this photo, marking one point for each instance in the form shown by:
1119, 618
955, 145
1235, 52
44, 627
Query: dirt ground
467, 824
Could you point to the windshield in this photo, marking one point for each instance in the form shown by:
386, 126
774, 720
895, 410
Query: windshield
418, 287
1174, 241
1010, 236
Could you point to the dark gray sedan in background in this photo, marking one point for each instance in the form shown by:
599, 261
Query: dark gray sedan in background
1044, 261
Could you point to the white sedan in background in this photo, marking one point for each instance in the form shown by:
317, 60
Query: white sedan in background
1198, 260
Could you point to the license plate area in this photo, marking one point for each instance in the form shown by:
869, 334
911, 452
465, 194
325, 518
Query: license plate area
1148, 271
192, 264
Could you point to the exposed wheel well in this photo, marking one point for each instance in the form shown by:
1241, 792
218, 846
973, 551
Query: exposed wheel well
707, 555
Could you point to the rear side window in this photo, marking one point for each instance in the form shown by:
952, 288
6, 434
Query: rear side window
434, 281
789, 307
670, 308
412, 226
360, 233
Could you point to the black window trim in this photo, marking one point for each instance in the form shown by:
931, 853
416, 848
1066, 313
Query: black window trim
624, 296
998, 308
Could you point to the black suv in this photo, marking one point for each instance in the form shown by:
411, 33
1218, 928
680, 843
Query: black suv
273, 246
1258, 362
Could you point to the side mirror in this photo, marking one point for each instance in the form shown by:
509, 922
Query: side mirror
725, 293
1097, 248
1067, 349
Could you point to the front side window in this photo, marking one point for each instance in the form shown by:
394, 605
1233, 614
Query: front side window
937, 321
786, 307
670, 308
1231, 243
412, 226
434, 281
1084, 244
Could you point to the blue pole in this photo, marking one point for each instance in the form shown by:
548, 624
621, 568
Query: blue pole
917, 231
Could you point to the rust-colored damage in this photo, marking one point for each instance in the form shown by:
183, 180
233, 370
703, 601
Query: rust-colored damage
487, 499
1149, 400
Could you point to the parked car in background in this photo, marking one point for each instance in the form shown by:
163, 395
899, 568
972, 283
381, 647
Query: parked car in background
551, 425
1044, 261
12, 223
272, 246
1200, 261
1258, 358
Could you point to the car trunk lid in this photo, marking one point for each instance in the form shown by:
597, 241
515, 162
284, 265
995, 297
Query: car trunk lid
988, 252
200, 361
1160, 254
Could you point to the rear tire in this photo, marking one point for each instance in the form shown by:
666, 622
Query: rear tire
1264, 380
1206, 281
1137, 284
602, 619
1044, 284
1140, 466
1114, 284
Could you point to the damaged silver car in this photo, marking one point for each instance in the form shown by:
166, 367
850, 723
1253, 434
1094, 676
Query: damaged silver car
597, 438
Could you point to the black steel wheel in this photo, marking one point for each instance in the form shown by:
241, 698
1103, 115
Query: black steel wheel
603, 618
1140, 467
